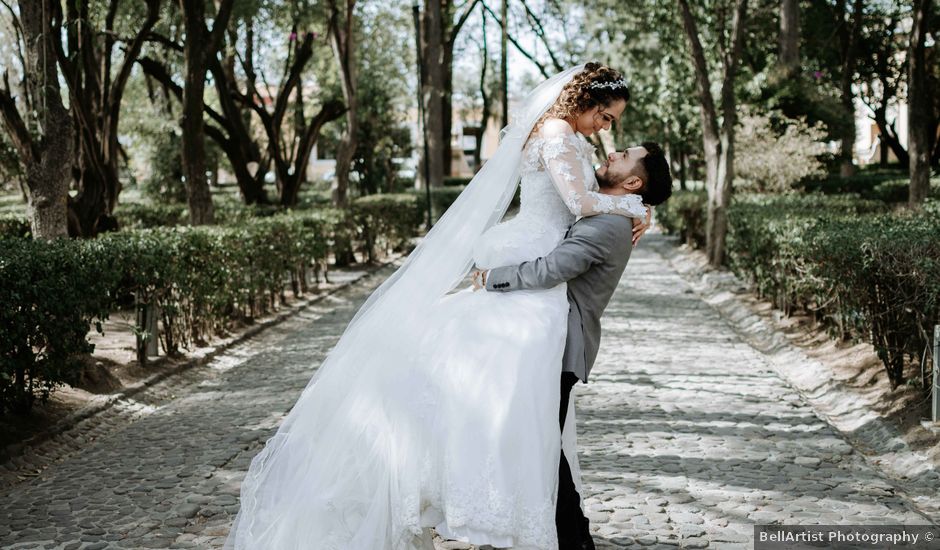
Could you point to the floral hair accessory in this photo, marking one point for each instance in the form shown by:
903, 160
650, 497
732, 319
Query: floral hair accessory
612, 84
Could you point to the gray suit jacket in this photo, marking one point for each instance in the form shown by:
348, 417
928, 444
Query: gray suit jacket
591, 259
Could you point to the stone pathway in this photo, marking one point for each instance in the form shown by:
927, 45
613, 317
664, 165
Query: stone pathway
687, 438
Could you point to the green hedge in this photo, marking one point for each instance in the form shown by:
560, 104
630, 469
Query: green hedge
441, 199
684, 215
387, 222
877, 278
865, 273
766, 238
200, 278
14, 226
51, 292
890, 186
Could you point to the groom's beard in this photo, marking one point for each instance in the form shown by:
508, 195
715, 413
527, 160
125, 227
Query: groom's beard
602, 180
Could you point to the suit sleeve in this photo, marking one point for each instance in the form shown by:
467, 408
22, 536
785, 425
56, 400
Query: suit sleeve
590, 242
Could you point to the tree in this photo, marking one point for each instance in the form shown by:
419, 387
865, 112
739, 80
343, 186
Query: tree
201, 45
96, 91
342, 29
432, 89
717, 135
919, 140
881, 74
45, 150
451, 30
789, 40
289, 142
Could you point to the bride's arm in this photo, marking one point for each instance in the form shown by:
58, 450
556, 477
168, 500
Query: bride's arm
563, 161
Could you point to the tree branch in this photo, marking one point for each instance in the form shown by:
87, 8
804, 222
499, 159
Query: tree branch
709, 114
157, 71
164, 40
540, 32
455, 30
120, 82
219, 25
515, 43
19, 133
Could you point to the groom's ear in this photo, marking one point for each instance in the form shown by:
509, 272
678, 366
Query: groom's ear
632, 184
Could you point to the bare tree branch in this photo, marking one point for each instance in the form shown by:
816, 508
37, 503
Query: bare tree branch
518, 46
540, 32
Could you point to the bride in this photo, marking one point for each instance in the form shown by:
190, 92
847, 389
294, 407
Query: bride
438, 409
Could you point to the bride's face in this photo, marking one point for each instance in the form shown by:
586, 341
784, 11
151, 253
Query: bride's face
599, 118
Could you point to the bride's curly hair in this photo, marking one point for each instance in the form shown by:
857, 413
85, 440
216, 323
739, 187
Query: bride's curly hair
583, 93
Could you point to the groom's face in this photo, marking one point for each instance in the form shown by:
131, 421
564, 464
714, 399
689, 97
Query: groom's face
623, 168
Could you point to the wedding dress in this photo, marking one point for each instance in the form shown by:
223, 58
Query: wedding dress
439, 409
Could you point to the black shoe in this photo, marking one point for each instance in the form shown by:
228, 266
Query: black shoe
580, 544
581, 541
587, 542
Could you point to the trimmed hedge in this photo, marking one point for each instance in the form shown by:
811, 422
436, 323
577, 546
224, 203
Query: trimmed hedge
14, 226
201, 279
879, 280
865, 273
386, 221
684, 215
51, 292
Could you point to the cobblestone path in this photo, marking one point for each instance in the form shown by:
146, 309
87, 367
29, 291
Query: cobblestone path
687, 438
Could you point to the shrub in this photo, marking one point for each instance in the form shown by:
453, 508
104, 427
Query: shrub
51, 292
386, 221
455, 181
773, 152
441, 199
200, 278
142, 216
684, 215
14, 226
881, 275
765, 238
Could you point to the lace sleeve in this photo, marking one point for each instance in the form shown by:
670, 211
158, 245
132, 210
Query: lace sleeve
565, 163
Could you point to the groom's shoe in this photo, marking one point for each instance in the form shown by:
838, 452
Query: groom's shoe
581, 541
587, 542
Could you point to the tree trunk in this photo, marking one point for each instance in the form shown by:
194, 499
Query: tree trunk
47, 160
485, 96
433, 46
683, 167
343, 40
447, 108
919, 108
849, 34
310, 133
789, 39
717, 140
504, 64
195, 55
95, 96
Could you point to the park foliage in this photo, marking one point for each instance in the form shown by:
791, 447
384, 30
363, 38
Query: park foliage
860, 267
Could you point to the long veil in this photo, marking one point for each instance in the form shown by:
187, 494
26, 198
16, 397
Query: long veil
332, 474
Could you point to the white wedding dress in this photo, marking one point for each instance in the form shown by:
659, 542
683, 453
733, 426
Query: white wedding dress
454, 427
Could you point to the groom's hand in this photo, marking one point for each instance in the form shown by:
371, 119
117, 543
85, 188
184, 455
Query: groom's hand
640, 226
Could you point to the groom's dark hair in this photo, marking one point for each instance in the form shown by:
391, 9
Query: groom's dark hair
653, 169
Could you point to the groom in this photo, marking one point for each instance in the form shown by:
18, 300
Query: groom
591, 259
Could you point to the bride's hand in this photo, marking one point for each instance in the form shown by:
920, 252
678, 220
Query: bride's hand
640, 226
478, 277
